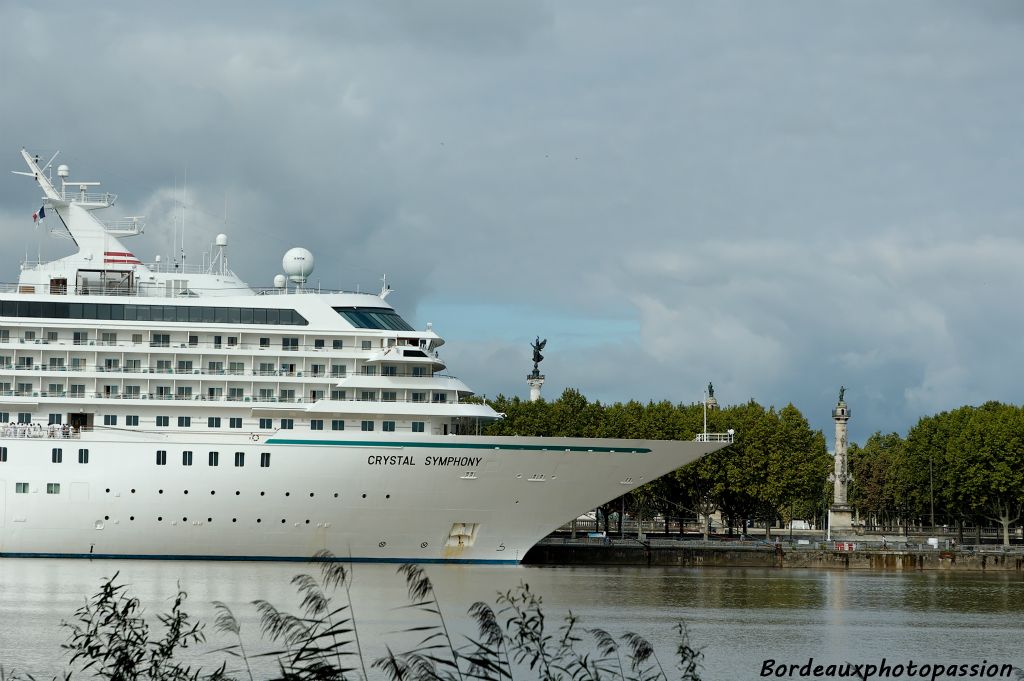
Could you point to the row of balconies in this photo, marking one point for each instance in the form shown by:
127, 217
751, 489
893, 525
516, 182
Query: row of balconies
317, 345
438, 398
199, 371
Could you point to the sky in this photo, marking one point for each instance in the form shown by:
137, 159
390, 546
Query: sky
779, 198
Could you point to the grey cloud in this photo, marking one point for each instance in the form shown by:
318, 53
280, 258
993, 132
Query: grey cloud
783, 198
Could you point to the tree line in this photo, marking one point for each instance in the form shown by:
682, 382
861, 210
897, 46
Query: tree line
774, 471
963, 467
959, 467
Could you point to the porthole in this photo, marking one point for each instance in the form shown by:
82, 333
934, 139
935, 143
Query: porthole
259, 520
364, 495
108, 490
160, 518
387, 496
237, 492
307, 521
262, 493
131, 517
106, 517
423, 545
133, 490
160, 491
186, 491
209, 520
287, 494
184, 519
382, 544
311, 494
234, 520
335, 495
213, 491
282, 520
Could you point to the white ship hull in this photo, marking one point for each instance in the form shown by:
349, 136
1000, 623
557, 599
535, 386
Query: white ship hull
444, 499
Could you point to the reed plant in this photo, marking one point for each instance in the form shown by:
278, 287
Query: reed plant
110, 638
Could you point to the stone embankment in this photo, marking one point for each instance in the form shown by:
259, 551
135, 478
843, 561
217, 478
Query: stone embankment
760, 554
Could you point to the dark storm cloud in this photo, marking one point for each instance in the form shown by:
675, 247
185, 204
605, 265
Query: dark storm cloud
780, 198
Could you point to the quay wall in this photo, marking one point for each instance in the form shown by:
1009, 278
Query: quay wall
635, 553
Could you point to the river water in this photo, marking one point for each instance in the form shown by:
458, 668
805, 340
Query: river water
741, 617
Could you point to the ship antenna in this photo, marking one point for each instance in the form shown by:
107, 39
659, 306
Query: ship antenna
184, 198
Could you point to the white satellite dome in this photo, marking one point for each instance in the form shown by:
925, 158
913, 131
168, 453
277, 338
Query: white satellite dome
298, 264
63, 170
222, 240
280, 281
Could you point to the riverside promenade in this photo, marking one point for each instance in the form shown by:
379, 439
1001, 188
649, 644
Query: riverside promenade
842, 555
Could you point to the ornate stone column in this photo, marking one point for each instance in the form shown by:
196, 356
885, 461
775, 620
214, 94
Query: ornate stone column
840, 514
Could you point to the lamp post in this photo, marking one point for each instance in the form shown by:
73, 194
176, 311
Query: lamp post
931, 490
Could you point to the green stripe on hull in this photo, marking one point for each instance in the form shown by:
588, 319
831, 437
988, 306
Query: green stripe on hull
455, 445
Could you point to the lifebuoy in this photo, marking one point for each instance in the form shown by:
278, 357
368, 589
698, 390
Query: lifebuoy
254, 437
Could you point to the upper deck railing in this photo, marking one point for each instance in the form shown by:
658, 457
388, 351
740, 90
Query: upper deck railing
160, 290
714, 437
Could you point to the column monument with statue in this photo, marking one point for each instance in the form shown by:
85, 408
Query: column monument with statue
535, 379
840, 514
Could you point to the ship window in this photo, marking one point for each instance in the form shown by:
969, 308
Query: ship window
440, 398
214, 459
318, 343
239, 459
5, 416
56, 455
417, 426
266, 424
316, 424
264, 459
235, 423
110, 419
24, 417
367, 425
366, 345
388, 396
83, 456
184, 421
161, 457
264, 342
259, 316
246, 315
338, 344
287, 424
337, 424
289, 343
373, 318
388, 426
335, 395
53, 488
21, 488
273, 316
55, 419
131, 420
213, 422
3, 454
419, 397
163, 421
186, 458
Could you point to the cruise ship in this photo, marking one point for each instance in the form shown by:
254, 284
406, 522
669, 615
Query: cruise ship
153, 410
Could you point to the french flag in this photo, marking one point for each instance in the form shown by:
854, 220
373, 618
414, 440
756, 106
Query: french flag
39, 214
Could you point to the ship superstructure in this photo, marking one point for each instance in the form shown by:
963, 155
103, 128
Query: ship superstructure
158, 410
